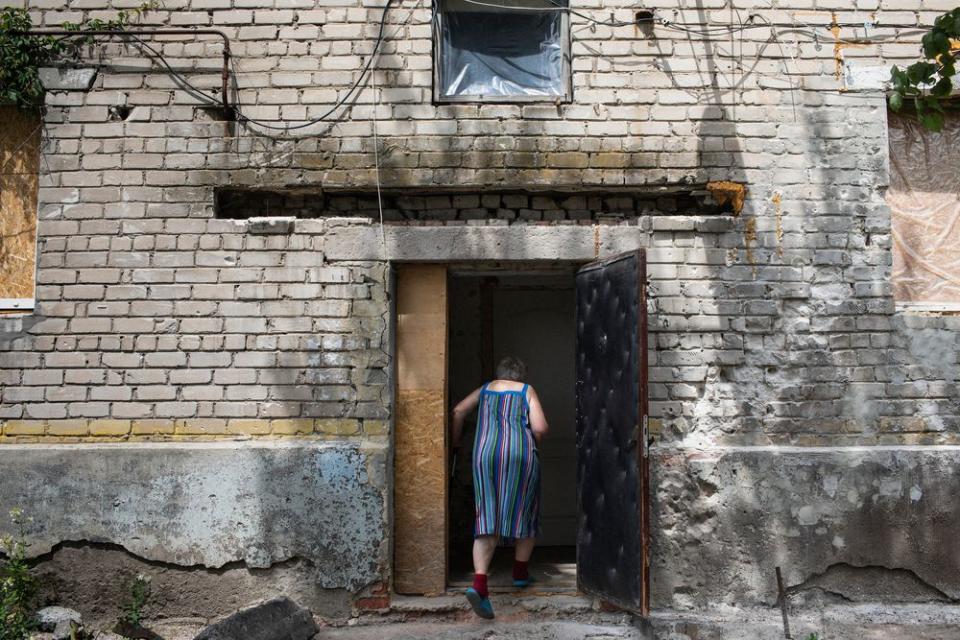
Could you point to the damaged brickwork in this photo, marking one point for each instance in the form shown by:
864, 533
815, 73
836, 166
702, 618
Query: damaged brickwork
800, 420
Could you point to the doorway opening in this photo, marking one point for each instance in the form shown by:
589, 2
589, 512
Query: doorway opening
526, 313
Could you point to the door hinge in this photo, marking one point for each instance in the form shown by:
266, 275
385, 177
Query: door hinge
646, 438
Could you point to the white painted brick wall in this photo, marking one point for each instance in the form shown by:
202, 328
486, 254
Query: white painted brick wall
774, 326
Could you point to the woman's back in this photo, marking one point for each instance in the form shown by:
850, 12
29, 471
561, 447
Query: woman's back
505, 465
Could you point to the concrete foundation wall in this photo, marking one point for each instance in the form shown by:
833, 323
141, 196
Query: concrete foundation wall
305, 517
850, 524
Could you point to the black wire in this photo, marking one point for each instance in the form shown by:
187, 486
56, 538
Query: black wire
346, 97
684, 27
200, 94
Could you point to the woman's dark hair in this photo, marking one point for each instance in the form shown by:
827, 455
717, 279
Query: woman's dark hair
511, 368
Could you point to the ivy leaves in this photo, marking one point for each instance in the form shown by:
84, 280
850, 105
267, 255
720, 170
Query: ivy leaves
21, 56
928, 83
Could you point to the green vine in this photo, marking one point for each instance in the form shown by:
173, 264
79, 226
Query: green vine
929, 82
21, 56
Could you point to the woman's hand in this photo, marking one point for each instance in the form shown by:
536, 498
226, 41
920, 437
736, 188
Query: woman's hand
460, 413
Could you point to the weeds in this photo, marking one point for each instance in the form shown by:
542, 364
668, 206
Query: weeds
18, 588
139, 592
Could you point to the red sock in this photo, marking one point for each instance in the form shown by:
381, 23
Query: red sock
520, 570
480, 584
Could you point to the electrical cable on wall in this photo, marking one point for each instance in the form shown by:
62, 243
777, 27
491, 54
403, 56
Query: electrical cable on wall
753, 21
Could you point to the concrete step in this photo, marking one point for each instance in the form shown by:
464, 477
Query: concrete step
486, 630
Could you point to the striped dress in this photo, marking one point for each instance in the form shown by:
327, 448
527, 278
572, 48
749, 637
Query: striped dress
506, 467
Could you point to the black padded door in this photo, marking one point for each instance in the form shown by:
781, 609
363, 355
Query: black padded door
612, 539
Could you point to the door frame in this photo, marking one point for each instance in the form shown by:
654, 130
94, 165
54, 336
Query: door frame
442, 423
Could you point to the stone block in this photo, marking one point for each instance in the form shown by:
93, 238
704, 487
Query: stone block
67, 79
278, 618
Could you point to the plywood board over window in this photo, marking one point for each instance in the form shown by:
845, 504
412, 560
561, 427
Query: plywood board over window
924, 199
19, 168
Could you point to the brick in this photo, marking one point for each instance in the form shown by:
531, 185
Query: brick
291, 426
23, 427
248, 426
110, 427
151, 427
201, 426
67, 428
337, 427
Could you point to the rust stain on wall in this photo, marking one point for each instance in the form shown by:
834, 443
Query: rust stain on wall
727, 192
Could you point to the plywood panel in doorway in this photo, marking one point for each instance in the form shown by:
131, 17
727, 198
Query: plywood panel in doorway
19, 169
420, 482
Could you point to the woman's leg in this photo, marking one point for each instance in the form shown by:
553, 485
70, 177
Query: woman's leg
524, 549
483, 549
478, 595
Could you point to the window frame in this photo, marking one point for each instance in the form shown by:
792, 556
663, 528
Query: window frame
566, 69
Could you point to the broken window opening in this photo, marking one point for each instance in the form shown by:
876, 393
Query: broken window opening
477, 207
488, 53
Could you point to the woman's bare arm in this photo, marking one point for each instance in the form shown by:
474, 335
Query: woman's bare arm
460, 413
538, 421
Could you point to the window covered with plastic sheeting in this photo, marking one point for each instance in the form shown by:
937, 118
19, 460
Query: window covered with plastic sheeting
502, 50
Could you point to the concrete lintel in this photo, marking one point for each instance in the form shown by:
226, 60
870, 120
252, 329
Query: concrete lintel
464, 243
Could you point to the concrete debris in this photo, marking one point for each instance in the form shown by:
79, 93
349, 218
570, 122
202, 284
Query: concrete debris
59, 620
49, 617
278, 619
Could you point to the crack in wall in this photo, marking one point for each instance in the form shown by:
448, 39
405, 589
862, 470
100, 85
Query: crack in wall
96, 545
855, 583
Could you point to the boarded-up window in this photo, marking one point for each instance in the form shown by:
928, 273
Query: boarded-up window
924, 198
19, 165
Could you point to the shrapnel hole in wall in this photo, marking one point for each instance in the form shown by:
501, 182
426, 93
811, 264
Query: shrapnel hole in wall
444, 208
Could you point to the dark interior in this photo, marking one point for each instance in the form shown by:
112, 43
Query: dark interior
528, 314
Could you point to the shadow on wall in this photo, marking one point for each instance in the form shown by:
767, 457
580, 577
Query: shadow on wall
805, 350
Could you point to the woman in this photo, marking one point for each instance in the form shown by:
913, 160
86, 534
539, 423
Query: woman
506, 473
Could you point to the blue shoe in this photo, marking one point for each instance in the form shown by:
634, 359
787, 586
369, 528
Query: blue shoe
526, 582
481, 606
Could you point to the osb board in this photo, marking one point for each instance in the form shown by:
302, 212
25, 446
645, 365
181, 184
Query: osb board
420, 482
422, 323
19, 168
924, 199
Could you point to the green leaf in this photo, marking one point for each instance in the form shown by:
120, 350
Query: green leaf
896, 101
932, 121
943, 88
